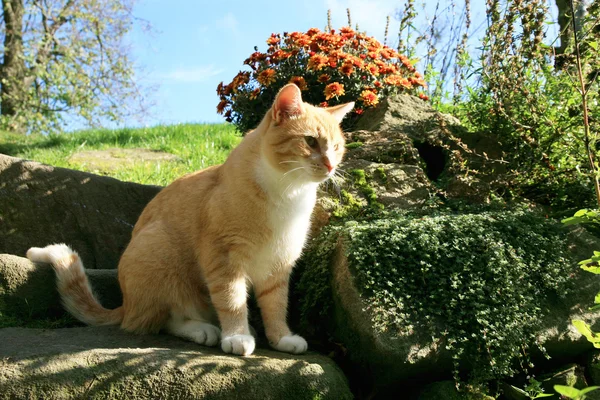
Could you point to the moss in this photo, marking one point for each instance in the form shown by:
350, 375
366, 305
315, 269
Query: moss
348, 207
380, 173
362, 184
354, 145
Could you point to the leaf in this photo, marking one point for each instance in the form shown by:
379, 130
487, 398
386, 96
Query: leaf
571, 221
588, 389
568, 391
581, 212
539, 396
585, 330
597, 298
595, 308
594, 269
520, 391
593, 45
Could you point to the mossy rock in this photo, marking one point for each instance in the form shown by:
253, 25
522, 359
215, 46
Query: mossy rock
404, 294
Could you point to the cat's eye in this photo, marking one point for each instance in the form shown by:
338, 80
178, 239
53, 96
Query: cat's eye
311, 141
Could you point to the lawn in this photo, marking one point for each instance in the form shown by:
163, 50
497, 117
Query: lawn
197, 146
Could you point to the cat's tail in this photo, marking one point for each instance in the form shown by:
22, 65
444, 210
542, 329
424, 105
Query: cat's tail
73, 285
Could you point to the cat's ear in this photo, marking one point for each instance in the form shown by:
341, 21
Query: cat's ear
340, 111
288, 103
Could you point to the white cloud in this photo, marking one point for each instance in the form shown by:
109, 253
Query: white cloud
191, 74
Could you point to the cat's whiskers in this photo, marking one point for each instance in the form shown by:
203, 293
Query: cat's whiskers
290, 171
341, 171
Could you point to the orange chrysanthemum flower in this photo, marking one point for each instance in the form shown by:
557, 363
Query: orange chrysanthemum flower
347, 69
396, 80
221, 106
369, 98
373, 69
317, 62
279, 55
254, 94
312, 31
299, 81
324, 78
266, 77
358, 63
273, 40
324, 104
334, 89
240, 79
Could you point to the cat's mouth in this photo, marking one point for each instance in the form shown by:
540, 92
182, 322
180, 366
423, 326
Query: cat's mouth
321, 174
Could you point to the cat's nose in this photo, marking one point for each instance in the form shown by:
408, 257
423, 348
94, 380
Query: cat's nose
327, 164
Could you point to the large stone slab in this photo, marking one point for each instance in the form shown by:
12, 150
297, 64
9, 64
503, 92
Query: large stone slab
40, 204
28, 290
106, 363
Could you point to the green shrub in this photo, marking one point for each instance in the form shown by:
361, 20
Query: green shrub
473, 282
528, 97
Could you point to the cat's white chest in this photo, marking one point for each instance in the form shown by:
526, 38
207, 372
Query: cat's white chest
289, 224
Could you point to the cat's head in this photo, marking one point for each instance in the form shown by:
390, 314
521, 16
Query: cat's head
303, 141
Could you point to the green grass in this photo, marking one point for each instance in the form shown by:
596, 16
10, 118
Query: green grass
197, 145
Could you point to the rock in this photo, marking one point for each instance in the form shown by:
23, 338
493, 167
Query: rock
405, 113
405, 130
593, 367
40, 205
560, 338
569, 375
389, 146
446, 390
107, 363
116, 158
27, 290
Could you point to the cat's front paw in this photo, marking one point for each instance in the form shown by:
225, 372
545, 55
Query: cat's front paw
242, 345
206, 334
291, 344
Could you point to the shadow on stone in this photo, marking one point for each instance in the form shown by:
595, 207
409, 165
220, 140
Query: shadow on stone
95, 215
110, 364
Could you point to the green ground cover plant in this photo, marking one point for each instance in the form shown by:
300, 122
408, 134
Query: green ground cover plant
472, 281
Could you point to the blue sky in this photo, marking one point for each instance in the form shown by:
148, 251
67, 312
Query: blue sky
198, 43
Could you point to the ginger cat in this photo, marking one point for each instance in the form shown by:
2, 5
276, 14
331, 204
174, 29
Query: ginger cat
204, 239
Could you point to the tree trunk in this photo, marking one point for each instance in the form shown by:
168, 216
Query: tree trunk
564, 21
12, 70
